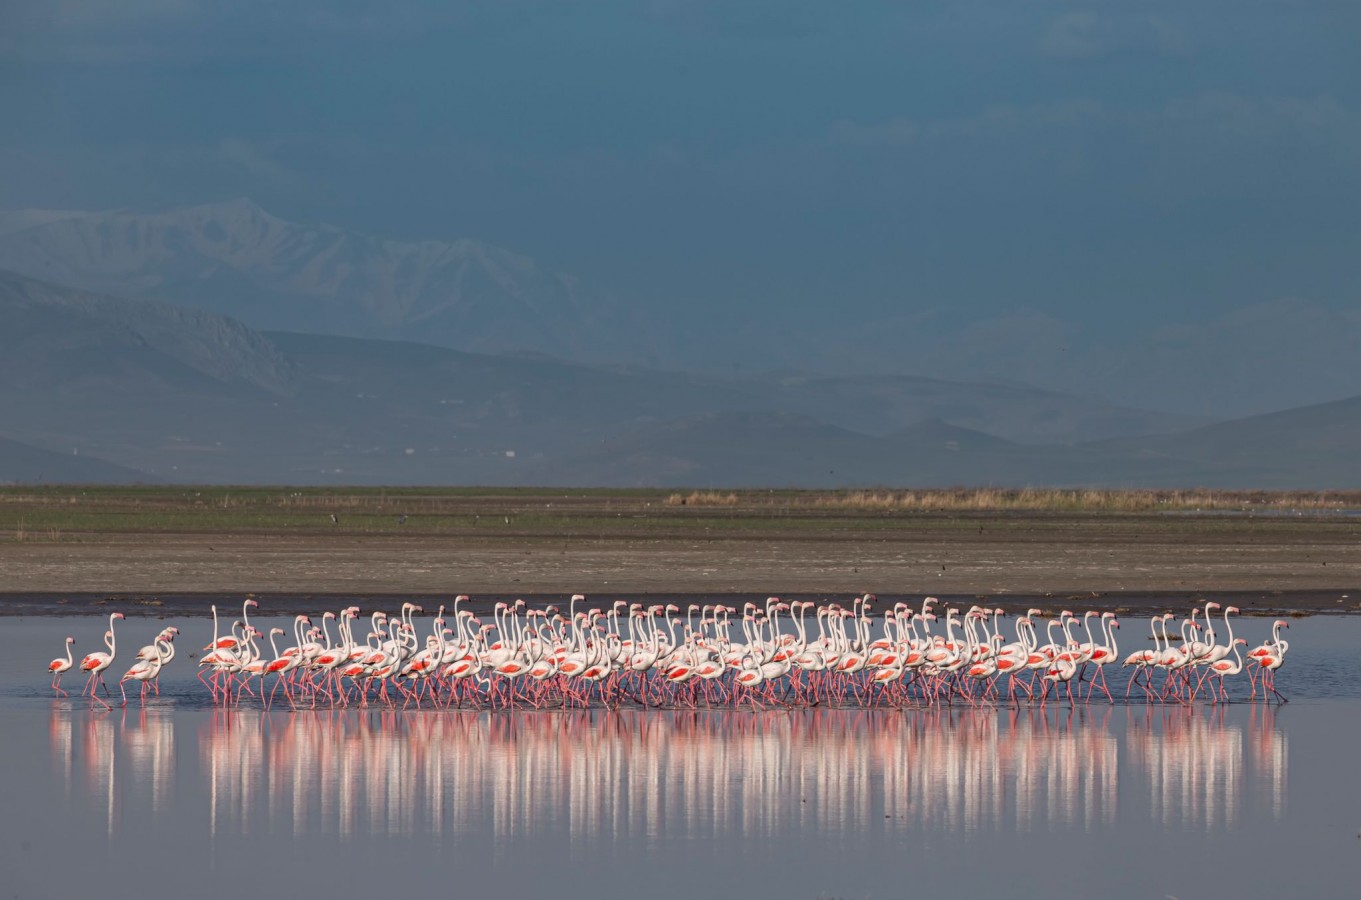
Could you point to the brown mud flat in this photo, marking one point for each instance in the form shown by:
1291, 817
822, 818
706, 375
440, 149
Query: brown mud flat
1136, 563
1270, 604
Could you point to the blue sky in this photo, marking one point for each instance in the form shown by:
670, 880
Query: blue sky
1116, 164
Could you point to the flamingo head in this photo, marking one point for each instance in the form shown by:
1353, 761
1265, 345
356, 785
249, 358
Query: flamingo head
117, 616
70, 640
1230, 609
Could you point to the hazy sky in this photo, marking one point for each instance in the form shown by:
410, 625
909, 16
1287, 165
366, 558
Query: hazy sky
1113, 163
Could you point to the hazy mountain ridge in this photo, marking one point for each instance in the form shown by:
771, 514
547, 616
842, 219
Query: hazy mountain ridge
237, 259
49, 328
788, 450
23, 463
185, 395
881, 404
1259, 358
1315, 446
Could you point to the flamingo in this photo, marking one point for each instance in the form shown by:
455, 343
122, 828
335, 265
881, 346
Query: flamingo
60, 666
145, 670
1226, 667
1269, 663
95, 663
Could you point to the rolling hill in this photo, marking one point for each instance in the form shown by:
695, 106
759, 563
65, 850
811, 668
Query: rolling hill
25, 464
191, 396
1311, 446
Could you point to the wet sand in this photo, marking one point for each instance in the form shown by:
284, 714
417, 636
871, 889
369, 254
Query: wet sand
1127, 564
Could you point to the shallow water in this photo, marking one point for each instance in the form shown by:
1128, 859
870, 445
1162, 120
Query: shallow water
1241, 799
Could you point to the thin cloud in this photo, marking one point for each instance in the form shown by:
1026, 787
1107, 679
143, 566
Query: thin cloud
1321, 120
992, 121
251, 159
1087, 35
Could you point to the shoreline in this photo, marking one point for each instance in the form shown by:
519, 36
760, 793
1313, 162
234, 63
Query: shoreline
171, 553
1272, 603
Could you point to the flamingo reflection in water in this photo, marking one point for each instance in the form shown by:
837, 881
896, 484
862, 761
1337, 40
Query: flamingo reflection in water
601, 773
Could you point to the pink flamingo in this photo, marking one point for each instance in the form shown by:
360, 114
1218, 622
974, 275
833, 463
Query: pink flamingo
145, 670
1225, 667
59, 667
95, 663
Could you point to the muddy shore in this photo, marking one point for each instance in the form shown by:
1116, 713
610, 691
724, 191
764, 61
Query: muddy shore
1085, 565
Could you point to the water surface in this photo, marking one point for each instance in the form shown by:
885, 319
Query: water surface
1130, 801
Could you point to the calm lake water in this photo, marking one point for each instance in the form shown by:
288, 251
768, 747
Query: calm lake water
1126, 801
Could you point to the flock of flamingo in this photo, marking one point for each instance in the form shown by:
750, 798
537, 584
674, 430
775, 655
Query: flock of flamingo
653, 656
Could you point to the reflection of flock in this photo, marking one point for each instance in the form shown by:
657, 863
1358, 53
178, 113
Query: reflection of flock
1196, 766
140, 747
594, 774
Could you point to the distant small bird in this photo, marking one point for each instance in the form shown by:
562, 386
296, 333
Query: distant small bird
401, 520
334, 520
